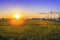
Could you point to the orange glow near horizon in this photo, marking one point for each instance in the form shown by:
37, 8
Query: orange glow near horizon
17, 20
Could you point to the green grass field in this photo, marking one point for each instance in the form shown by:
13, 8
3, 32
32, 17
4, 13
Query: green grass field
32, 30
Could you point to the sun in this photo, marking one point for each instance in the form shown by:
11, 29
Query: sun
17, 16
17, 20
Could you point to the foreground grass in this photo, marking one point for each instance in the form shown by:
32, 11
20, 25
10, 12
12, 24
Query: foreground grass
33, 30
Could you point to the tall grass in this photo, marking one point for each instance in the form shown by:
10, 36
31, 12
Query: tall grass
33, 30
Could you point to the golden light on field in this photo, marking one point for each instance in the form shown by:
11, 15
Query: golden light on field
17, 19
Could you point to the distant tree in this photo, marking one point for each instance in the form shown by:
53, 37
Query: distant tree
43, 19
59, 18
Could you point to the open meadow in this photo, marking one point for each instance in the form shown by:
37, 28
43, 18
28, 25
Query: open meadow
32, 30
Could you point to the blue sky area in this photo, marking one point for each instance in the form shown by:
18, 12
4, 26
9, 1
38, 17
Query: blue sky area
29, 6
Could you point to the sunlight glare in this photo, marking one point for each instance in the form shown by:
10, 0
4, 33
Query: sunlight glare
17, 20
17, 16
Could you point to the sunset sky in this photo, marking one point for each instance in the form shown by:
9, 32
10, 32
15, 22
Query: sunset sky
28, 7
